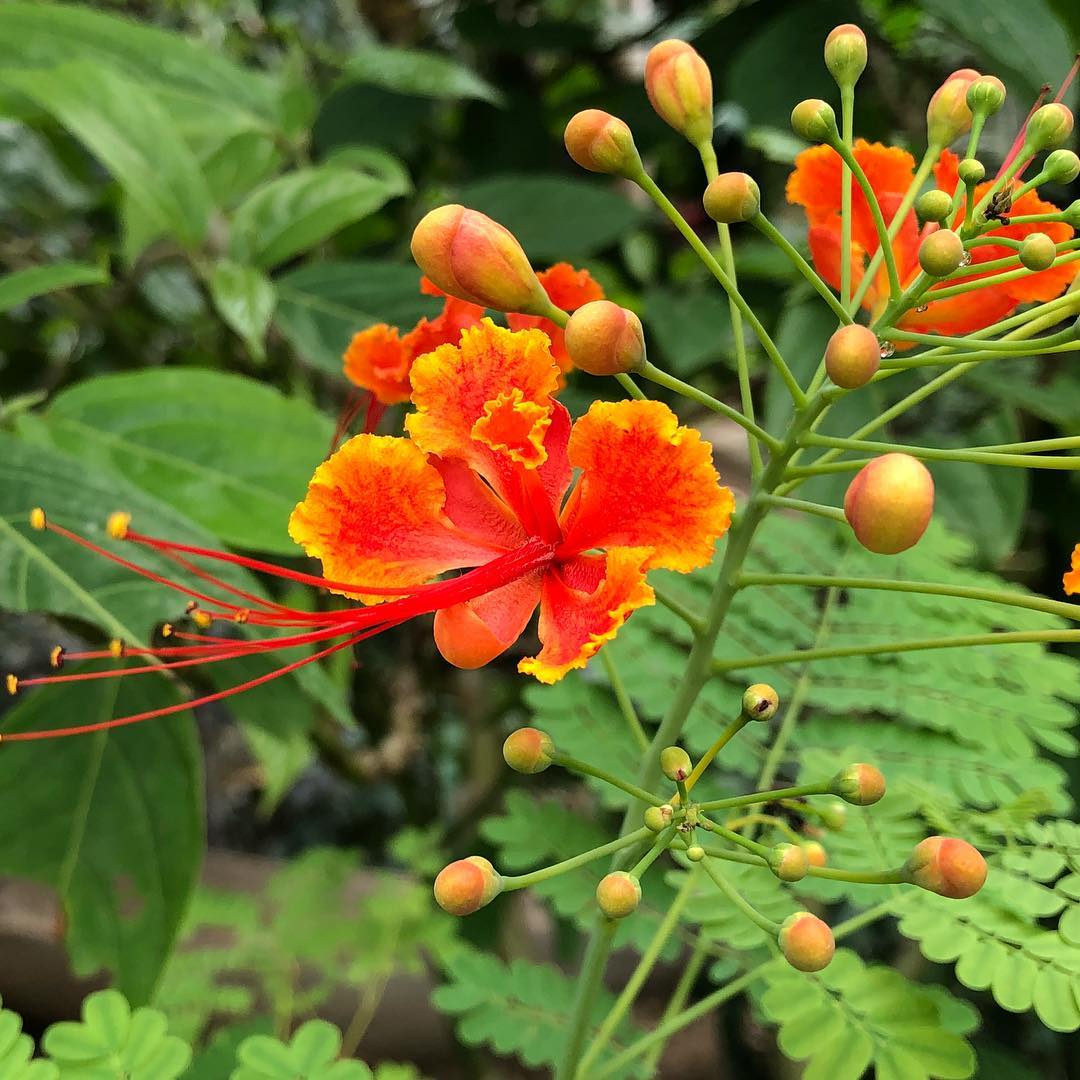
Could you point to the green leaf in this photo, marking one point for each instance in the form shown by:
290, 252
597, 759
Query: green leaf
17, 1051
554, 217
417, 72
231, 453
691, 328
310, 1055
245, 299
24, 285
132, 135
292, 213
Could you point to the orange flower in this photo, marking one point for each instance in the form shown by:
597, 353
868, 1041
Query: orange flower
815, 185
1071, 579
494, 480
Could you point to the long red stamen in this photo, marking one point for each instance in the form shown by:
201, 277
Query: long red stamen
1021, 136
1064, 88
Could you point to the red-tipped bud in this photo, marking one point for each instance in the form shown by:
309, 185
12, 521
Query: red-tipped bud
528, 750
732, 197
618, 894
816, 855
971, 171
859, 784
658, 818
941, 253
602, 143
679, 86
806, 942
814, 120
948, 116
833, 815
469, 256
946, 866
1050, 126
1061, 167
695, 853
852, 356
467, 885
889, 503
985, 95
788, 862
605, 339
760, 702
675, 763
1037, 252
845, 54
934, 205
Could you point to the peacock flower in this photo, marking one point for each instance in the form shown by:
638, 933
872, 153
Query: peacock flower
492, 480
1071, 579
816, 186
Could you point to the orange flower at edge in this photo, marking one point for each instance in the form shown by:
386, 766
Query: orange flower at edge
1071, 579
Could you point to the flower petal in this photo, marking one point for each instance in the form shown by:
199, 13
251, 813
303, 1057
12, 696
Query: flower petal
378, 360
475, 508
374, 515
515, 427
471, 634
1071, 579
575, 620
646, 482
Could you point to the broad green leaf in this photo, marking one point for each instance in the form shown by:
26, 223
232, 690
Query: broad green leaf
231, 453
17, 1051
691, 328
234, 165
244, 298
385, 167
132, 135
418, 72
24, 285
554, 218
321, 306
295, 212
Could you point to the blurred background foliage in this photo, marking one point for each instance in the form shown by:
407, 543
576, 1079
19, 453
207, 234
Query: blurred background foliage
200, 202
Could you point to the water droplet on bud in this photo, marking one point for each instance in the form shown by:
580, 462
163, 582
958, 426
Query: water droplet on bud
966, 260
922, 307
886, 349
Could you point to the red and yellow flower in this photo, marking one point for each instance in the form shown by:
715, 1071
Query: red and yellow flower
1071, 579
816, 186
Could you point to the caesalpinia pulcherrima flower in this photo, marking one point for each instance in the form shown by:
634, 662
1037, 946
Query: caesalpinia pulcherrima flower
1071, 580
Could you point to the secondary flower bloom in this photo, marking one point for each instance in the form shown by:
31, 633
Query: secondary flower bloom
1071, 580
816, 184
380, 358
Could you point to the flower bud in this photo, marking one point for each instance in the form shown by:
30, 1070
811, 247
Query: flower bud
675, 763
941, 253
788, 862
467, 885
679, 86
860, 785
605, 339
760, 702
816, 855
806, 942
528, 750
985, 95
732, 197
1061, 167
946, 866
618, 894
469, 256
602, 143
933, 205
852, 356
1050, 126
695, 853
971, 171
889, 503
833, 815
1071, 214
1037, 252
948, 116
845, 54
814, 120
658, 818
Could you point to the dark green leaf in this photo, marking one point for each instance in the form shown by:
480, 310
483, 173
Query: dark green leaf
417, 72
245, 299
24, 285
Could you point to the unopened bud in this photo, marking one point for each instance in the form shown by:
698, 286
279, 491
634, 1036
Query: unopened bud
695, 853
1037, 252
934, 205
860, 784
528, 750
602, 143
605, 339
788, 862
946, 866
941, 253
985, 95
852, 356
1049, 127
732, 197
658, 818
845, 54
816, 854
1071, 214
971, 171
833, 815
814, 120
1061, 167
760, 702
889, 503
467, 885
806, 942
469, 256
679, 86
948, 115
675, 763
618, 894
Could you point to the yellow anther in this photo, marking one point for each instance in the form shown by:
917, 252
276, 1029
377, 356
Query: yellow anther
116, 648
242, 616
166, 629
12, 682
190, 606
201, 618
117, 525
37, 518
56, 657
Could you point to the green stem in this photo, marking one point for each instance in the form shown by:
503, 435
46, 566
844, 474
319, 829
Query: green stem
847, 133
955, 344
677, 607
801, 791
741, 841
931, 453
631, 387
949, 358
658, 847
767, 925
728, 734
680, 995
589, 979
997, 279
510, 883
766, 819
585, 769
833, 513
859, 877
626, 706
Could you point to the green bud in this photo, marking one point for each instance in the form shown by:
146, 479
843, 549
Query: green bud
845, 54
732, 197
941, 253
859, 784
675, 763
528, 750
948, 116
658, 818
986, 95
1071, 214
934, 205
833, 815
788, 862
760, 702
1037, 252
814, 120
971, 172
1061, 167
695, 853
1049, 127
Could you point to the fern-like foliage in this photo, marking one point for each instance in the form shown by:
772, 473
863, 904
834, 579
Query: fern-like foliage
17, 1050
